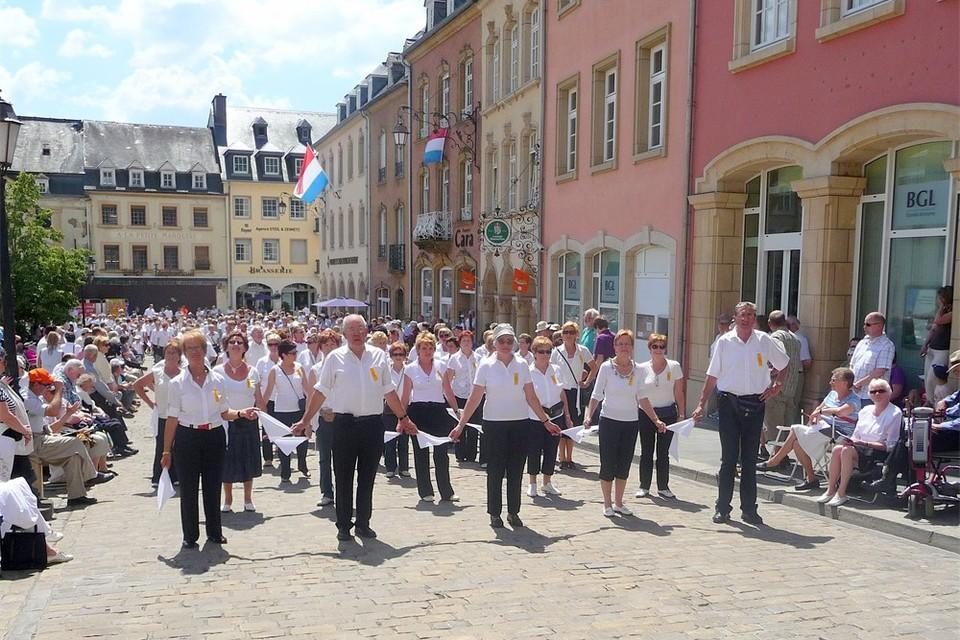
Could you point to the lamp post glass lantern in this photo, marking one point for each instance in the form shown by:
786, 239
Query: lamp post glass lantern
400, 134
9, 132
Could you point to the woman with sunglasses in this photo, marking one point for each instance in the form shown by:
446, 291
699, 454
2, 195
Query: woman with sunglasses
158, 378
542, 447
662, 379
620, 387
322, 422
505, 380
287, 385
242, 384
426, 398
574, 361
460, 372
264, 366
396, 453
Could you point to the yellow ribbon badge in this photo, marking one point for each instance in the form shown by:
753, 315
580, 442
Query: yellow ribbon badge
249, 383
216, 395
373, 374
630, 380
669, 376
759, 359
516, 379
554, 378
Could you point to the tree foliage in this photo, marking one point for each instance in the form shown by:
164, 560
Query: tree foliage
46, 276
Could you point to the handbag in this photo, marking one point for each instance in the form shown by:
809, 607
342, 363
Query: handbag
23, 550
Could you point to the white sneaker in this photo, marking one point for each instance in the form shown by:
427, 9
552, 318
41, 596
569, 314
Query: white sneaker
623, 510
825, 498
390, 474
249, 506
532, 490
54, 536
641, 493
550, 490
226, 508
325, 500
608, 512
666, 493
837, 501
59, 558
428, 498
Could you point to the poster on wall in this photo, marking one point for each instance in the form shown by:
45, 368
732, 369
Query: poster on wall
920, 205
610, 290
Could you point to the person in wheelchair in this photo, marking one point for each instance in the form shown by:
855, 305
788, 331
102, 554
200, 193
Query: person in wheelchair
946, 430
877, 431
837, 414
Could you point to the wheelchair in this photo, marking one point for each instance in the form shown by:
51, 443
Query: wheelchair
931, 486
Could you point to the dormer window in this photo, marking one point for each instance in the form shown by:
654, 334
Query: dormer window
259, 132
108, 178
45, 149
297, 166
43, 184
168, 180
271, 166
199, 181
241, 165
303, 133
136, 178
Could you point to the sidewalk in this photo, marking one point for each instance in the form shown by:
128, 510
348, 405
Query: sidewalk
700, 461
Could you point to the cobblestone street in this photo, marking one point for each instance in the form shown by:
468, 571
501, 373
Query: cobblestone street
440, 571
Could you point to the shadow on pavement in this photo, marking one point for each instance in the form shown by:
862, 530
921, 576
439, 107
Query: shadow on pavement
558, 503
680, 505
778, 536
633, 523
243, 520
194, 562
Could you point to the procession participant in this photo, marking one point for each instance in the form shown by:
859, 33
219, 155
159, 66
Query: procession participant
196, 410
242, 461
355, 380
620, 389
311, 355
505, 379
588, 337
426, 397
257, 348
158, 378
739, 369
396, 453
524, 340
461, 369
663, 380
542, 447
264, 366
575, 362
329, 340
289, 400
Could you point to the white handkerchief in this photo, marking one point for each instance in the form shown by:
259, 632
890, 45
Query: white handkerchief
453, 414
390, 435
426, 440
591, 431
575, 433
288, 444
165, 489
273, 427
478, 427
683, 428
155, 421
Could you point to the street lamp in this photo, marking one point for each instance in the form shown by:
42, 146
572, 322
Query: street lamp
400, 134
9, 132
91, 269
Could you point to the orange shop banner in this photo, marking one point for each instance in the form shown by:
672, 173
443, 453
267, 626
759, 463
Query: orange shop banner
521, 281
468, 281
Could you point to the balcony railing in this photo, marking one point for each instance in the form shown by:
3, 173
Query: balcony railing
382, 252
382, 174
398, 168
435, 226
398, 261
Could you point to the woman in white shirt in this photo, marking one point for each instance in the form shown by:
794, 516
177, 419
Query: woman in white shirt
575, 362
505, 380
542, 447
243, 462
662, 379
158, 378
51, 355
461, 369
619, 386
425, 397
524, 340
396, 453
196, 410
329, 340
264, 365
287, 385
877, 431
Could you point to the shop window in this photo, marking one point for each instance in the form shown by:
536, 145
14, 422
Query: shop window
446, 294
569, 286
426, 293
606, 286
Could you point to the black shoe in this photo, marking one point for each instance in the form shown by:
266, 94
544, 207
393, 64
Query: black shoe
807, 485
364, 531
764, 466
720, 517
752, 518
285, 481
763, 454
344, 535
304, 473
186, 544
216, 539
100, 478
514, 520
81, 502
496, 522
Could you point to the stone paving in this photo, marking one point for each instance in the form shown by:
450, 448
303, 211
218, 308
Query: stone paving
440, 571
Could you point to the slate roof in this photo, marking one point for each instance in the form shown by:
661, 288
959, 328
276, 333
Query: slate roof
152, 145
65, 141
281, 126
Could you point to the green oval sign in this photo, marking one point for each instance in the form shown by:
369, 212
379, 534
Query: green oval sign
497, 233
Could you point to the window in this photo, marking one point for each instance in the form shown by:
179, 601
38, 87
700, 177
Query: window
140, 257
467, 86
840, 17
399, 226
425, 109
168, 216
494, 187
340, 165
606, 285
605, 87
658, 75
565, 6
512, 178
171, 258
466, 191
108, 178
136, 178
362, 226
200, 219
241, 250
444, 100
350, 227
199, 181
269, 207
446, 293
271, 251
853, 6
361, 154
138, 216
241, 165
111, 257
535, 43
108, 214
495, 85
201, 258
515, 58
426, 293
271, 166
771, 22
424, 192
651, 99
298, 251
398, 161
569, 286
43, 185
567, 97
297, 168
340, 229
349, 159
297, 211
383, 231
241, 207
382, 161
445, 188
383, 301
168, 180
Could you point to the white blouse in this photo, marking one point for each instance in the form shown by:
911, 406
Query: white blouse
548, 387
192, 404
464, 370
882, 429
240, 393
578, 361
503, 385
287, 389
621, 396
659, 387
161, 387
426, 387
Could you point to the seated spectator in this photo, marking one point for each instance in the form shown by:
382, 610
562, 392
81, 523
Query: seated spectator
124, 386
51, 355
946, 430
115, 428
837, 412
18, 508
899, 384
877, 432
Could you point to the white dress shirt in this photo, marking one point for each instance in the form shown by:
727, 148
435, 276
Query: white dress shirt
503, 385
620, 395
883, 428
659, 388
306, 359
548, 387
240, 393
264, 365
161, 389
464, 371
255, 352
741, 368
426, 387
870, 354
355, 385
571, 375
191, 404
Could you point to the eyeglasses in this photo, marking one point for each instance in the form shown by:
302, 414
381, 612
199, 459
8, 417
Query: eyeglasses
870, 324
543, 352
873, 391
398, 354
569, 333
273, 344
658, 347
239, 342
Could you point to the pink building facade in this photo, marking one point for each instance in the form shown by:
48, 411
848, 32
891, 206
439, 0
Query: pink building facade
824, 169
615, 155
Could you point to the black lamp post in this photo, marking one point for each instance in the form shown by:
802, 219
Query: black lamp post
91, 269
400, 134
9, 132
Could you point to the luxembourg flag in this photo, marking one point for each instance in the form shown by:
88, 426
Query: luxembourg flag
313, 179
433, 152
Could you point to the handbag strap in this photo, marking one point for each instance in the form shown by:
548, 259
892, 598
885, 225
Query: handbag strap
299, 397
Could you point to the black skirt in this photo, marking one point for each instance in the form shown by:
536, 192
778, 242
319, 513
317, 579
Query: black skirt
243, 458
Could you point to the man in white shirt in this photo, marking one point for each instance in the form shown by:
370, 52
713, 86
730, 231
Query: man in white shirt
873, 356
739, 369
257, 348
355, 381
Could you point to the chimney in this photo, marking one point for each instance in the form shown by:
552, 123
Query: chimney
218, 120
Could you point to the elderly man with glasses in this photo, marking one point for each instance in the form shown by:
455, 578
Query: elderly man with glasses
873, 356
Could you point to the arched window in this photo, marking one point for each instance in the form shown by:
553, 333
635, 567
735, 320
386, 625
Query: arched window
606, 285
446, 294
362, 226
350, 226
340, 229
569, 286
400, 224
383, 229
426, 293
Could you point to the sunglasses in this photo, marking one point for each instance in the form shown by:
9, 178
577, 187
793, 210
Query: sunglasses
398, 354
658, 347
239, 342
870, 324
543, 352
273, 344
504, 340
569, 333
873, 391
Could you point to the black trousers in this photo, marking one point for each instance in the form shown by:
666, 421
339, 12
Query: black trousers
506, 452
541, 449
432, 418
158, 452
289, 418
618, 441
199, 458
357, 447
396, 453
325, 456
469, 444
741, 423
652, 441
